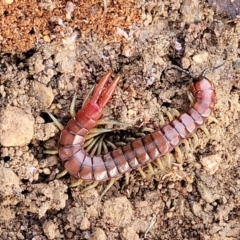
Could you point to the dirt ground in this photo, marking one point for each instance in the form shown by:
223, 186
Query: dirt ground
51, 49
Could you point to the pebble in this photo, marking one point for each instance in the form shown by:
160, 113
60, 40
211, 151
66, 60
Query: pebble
49, 229
16, 127
200, 57
98, 234
9, 1
211, 163
118, 212
190, 11
43, 94
8, 180
129, 233
85, 224
205, 192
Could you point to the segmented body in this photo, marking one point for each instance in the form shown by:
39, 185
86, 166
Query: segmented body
137, 153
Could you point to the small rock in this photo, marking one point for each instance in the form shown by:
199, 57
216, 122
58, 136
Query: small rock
49, 229
46, 171
197, 209
8, 180
45, 131
6, 214
65, 60
20, 236
215, 229
43, 94
201, 57
85, 224
205, 192
92, 211
16, 127
98, 234
10, 187
46, 38
75, 216
9, 1
190, 11
47, 196
129, 233
118, 212
211, 163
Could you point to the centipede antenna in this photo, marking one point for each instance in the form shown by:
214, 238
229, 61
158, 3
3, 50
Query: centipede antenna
211, 69
181, 70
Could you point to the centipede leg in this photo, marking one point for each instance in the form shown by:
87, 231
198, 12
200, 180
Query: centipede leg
159, 164
169, 115
109, 121
92, 147
61, 174
127, 177
72, 106
111, 182
141, 172
51, 152
204, 129
77, 183
190, 97
179, 156
186, 147
212, 119
90, 186
195, 140
162, 120
150, 167
166, 162
175, 112
56, 122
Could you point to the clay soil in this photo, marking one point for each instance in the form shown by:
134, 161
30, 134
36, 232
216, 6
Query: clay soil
51, 49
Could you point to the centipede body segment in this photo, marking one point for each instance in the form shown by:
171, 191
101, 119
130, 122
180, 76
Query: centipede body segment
139, 152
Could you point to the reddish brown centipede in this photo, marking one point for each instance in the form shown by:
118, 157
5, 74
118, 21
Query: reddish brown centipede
114, 164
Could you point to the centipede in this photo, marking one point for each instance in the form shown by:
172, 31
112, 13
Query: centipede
112, 165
